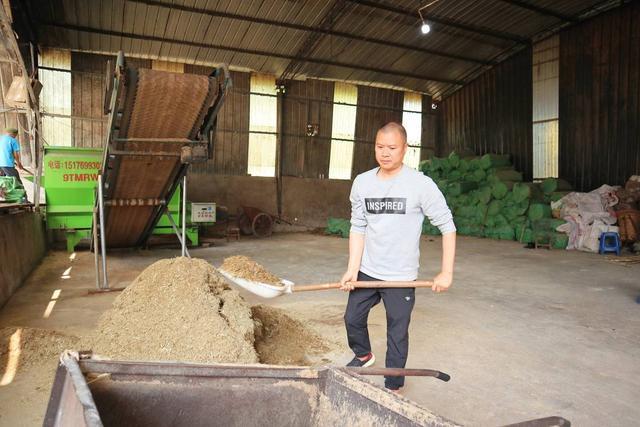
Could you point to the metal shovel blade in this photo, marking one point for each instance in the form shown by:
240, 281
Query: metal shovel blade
264, 290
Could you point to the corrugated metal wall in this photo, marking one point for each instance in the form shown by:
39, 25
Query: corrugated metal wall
430, 130
412, 122
307, 102
600, 99
173, 67
492, 114
376, 107
10, 118
343, 130
55, 97
546, 71
87, 94
231, 146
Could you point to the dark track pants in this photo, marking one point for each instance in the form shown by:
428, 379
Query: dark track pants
398, 304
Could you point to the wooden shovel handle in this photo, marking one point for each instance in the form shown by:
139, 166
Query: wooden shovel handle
368, 284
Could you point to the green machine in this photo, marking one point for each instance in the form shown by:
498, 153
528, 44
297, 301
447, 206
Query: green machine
70, 180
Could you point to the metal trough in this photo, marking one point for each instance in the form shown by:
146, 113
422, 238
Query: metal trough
89, 392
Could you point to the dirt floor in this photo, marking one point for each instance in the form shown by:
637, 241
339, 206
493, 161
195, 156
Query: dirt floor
523, 333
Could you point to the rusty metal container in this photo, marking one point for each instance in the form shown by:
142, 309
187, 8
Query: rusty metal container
94, 393
110, 393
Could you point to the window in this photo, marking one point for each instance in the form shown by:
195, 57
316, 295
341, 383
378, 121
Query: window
173, 67
546, 80
412, 122
55, 98
343, 130
263, 111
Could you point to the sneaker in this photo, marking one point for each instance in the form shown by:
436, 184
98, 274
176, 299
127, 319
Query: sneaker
397, 391
368, 361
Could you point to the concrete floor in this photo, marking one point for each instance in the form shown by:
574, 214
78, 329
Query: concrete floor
523, 333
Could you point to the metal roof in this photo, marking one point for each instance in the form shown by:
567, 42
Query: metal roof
368, 41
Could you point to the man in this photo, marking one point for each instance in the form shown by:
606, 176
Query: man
10, 154
388, 206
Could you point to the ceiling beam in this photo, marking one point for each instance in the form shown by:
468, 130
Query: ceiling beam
312, 41
443, 21
331, 32
542, 10
252, 52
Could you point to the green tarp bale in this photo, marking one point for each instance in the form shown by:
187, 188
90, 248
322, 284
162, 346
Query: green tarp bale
435, 175
509, 199
519, 220
539, 211
454, 160
457, 188
439, 164
470, 213
514, 211
523, 233
11, 191
551, 185
521, 192
500, 221
504, 232
425, 166
465, 211
472, 198
508, 174
484, 195
454, 175
495, 221
478, 175
339, 226
494, 208
560, 241
509, 184
442, 184
474, 163
463, 200
470, 230
557, 240
499, 190
494, 161
466, 153
556, 195
452, 201
542, 236
429, 229
445, 166
547, 224
463, 220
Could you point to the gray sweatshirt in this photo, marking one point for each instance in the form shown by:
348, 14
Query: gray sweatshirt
390, 212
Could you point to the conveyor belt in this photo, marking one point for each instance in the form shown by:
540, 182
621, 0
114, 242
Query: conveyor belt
154, 117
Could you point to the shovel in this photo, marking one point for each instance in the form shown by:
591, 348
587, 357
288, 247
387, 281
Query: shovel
267, 290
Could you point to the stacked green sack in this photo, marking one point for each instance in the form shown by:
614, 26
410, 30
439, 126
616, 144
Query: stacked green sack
338, 226
488, 198
544, 231
429, 229
554, 189
11, 191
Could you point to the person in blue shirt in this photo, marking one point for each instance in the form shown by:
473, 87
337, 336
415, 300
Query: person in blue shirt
10, 154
